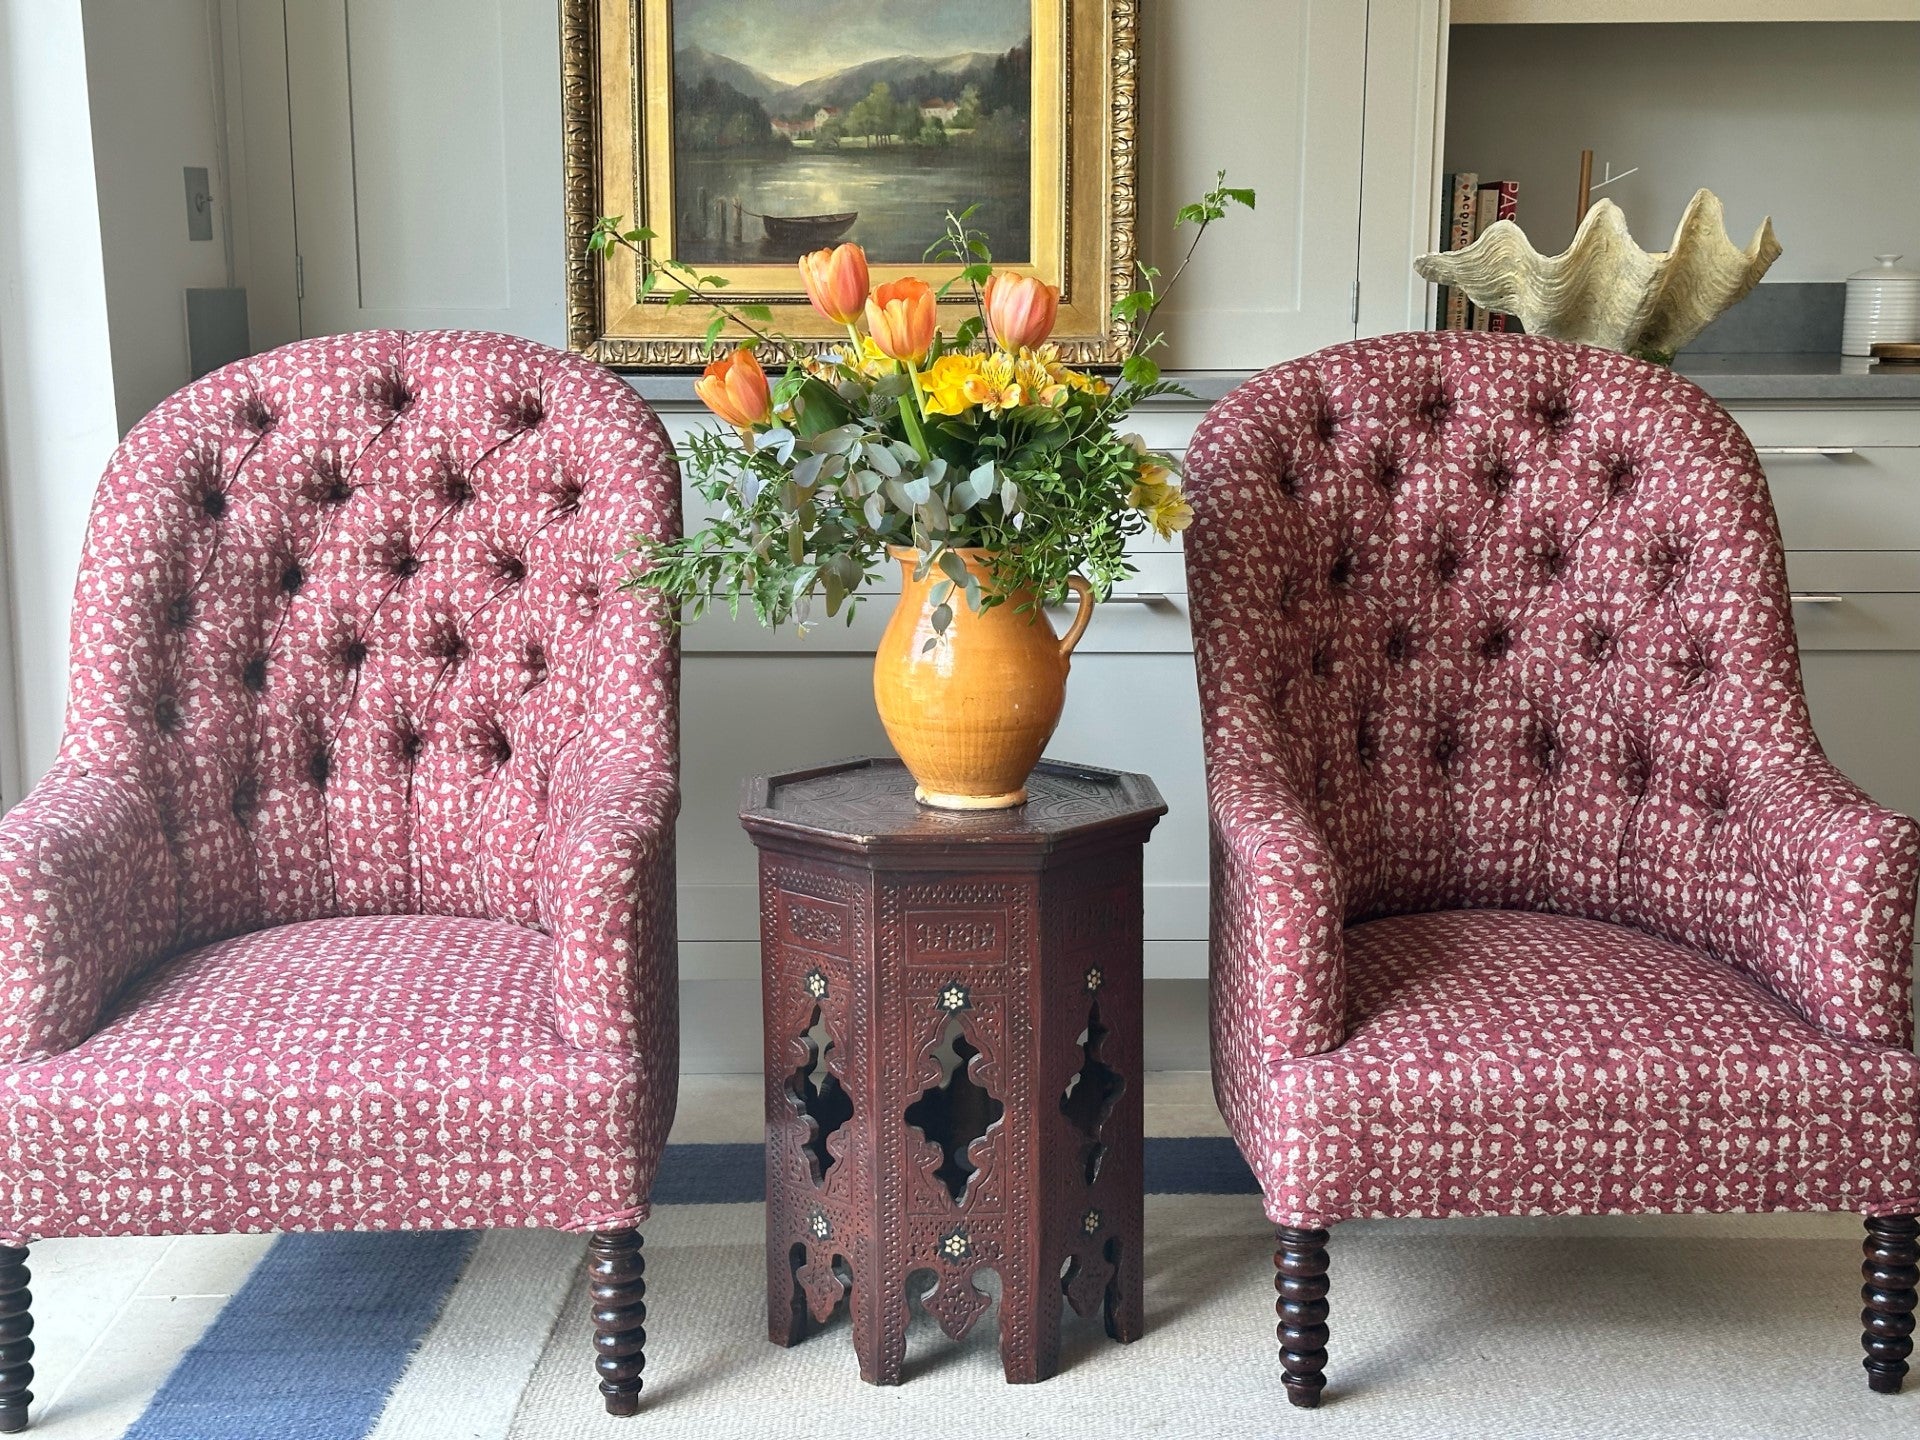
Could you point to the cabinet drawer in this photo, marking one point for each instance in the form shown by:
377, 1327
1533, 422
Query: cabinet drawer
1851, 498
1866, 710
1887, 422
1858, 620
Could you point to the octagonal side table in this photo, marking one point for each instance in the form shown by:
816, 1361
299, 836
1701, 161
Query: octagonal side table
952, 1010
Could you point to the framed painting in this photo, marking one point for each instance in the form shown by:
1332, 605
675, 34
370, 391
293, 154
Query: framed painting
745, 133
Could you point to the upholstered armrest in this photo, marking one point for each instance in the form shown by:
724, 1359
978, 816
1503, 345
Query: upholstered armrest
87, 899
608, 899
1818, 900
1279, 978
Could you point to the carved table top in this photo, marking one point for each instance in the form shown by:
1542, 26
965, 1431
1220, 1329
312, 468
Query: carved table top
866, 805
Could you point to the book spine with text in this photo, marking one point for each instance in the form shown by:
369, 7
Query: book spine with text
1466, 187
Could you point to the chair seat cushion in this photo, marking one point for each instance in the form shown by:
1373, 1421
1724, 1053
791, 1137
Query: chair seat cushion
373, 1072
1509, 1063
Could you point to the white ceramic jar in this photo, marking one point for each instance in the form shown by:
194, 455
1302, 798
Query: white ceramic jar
1883, 303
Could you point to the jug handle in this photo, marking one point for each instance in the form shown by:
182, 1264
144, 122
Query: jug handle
1074, 631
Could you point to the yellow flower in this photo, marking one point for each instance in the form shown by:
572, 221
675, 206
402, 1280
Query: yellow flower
1039, 375
1083, 382
1156, 492
869, 361
1164, 506
953, 385
1000, 386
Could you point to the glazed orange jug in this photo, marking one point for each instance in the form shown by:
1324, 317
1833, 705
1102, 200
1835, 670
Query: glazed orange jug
970, 712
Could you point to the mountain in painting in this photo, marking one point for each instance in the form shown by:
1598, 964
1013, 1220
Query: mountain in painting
915, 78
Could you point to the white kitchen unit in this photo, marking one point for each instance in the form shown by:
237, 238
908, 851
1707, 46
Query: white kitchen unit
1846, 484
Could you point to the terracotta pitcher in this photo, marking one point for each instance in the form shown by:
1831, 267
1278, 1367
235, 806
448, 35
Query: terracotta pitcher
970, 713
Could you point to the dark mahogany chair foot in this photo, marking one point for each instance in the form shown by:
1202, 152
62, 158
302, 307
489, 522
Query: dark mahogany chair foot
16, 1344
1891, 1270
615, 1280
1301, 1278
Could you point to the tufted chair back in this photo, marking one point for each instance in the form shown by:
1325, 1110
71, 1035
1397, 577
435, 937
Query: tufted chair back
1509, 617
349, 611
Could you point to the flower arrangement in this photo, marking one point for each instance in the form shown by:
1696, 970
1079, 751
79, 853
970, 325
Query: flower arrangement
981, 444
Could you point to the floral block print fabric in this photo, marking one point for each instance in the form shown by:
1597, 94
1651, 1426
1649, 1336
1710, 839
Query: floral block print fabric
1496, 623
367, 1072
1503, 1062
349, 641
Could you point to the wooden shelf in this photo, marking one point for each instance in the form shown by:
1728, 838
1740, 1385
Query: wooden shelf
1590, 12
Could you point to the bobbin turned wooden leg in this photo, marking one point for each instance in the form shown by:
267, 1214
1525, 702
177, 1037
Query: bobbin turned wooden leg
1301, 1263
615, 1271
16, 1348
1891, 1270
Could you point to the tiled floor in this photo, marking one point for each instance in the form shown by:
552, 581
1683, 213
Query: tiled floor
111, 1317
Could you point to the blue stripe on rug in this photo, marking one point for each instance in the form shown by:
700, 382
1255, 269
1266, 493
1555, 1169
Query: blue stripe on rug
312, 1345
313, 1342
736, 1174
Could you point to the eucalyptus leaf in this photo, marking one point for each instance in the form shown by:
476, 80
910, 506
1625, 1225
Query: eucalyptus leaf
934, 512
942, 617
916, 490
806, 473
840, 440
874, 508
881, 457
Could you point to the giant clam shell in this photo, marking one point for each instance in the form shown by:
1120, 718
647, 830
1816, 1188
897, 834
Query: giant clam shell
1605, 290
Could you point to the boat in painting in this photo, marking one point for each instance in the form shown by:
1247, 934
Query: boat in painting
808, 231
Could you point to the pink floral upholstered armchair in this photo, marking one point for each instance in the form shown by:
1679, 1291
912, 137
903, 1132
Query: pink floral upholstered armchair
1533, 892
348, 903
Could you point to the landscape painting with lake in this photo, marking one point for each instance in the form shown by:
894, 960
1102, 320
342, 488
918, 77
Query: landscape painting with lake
809, 122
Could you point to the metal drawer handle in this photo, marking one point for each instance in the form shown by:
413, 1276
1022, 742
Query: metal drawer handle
1803, 450
1807, 597
1132, 597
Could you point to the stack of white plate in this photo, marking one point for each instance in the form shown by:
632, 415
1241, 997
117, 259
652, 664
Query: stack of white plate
1883, 303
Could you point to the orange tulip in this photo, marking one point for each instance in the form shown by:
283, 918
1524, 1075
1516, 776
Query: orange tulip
902, 317
734, 387
1020, 309
836, 282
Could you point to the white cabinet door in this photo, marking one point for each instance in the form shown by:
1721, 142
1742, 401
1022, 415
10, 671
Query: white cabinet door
1273, 92
426, 174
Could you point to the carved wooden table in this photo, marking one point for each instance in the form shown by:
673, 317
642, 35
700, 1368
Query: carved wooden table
952, 1006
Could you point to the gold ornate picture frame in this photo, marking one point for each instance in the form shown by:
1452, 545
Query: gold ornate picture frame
738, 167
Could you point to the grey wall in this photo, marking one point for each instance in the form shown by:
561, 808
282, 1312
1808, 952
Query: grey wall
56, 401
1817, 125
150, 84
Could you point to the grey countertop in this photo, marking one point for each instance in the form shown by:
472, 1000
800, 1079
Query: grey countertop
1795, 377
1730, 378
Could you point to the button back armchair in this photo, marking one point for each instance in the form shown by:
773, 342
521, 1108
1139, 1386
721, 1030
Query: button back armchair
1533, 892
348, 903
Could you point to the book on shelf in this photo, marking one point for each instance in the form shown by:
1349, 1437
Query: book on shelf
1462, 203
